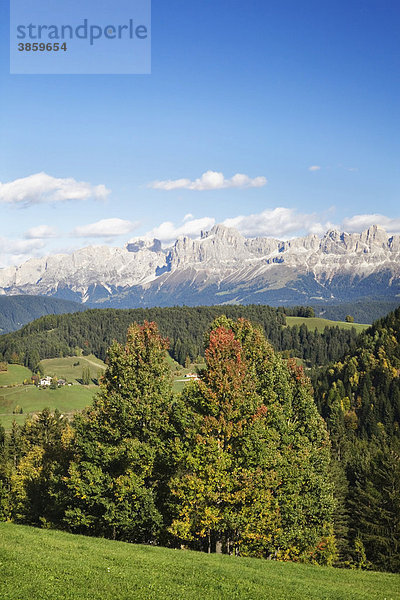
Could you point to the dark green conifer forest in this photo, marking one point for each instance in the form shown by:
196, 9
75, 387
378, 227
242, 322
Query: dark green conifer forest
94, 330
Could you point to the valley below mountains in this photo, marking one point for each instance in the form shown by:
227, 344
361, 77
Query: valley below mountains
220, 267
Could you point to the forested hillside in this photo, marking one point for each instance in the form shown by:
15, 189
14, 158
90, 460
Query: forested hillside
361, 393
359, 398
94, 330
16, 311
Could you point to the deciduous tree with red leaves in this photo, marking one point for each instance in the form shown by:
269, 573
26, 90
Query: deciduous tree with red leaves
252, 475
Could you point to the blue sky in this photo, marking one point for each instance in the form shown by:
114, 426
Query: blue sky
300, 97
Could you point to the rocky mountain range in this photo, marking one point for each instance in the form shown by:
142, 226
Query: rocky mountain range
220, 267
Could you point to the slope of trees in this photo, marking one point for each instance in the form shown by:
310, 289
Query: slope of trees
359, 397
361, 393
16, 311
94, 330
239, 464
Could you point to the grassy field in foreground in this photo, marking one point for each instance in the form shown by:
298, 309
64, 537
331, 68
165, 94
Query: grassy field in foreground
70, 368
31, 399
40, 564
320, 324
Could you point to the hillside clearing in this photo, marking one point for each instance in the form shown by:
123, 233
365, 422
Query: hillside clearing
31, 399
67, 399
14, 374
319, 324
70, 368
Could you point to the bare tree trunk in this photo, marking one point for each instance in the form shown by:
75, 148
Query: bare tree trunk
218, 547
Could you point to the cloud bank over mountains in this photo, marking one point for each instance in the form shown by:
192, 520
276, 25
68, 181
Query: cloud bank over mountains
168, 231
358, 223
280, 222
41, 232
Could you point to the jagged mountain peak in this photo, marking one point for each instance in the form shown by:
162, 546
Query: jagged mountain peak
223, 232
220, 266
137, 244
376, 234
334, 234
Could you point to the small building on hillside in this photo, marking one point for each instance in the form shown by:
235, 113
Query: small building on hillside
45, 381
192, 376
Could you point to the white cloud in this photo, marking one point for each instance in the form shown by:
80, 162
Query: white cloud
314, 168
105, 228
42, 188
41, 232
210, 180
168, 232
14, 252
278, 222
359, 223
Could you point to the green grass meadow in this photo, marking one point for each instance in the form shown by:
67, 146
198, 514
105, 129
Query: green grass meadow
67, 399
14, 374
37, 564
70, 368
320, 324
